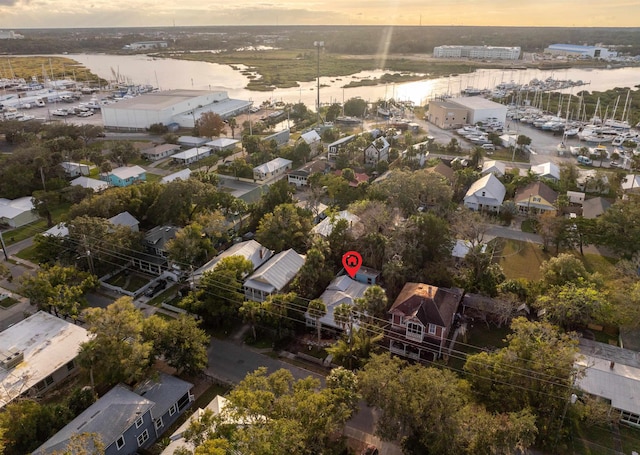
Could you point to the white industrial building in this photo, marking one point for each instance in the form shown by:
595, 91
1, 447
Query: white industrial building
574, 50
481, 52
455, 112
182, 107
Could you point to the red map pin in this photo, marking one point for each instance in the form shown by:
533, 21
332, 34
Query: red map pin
352, 261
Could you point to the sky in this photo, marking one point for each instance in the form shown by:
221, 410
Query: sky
16, 14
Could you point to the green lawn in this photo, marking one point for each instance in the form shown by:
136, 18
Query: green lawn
24, 232
131, 282
153, 177
478, 336
520, 259
8, 302
28, 254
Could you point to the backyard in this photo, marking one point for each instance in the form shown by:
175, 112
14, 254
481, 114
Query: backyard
129, 281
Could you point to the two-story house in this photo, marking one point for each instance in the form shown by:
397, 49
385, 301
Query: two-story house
421, 320
377, 151
126, 421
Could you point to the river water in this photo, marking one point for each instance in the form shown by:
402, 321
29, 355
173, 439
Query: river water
182, 74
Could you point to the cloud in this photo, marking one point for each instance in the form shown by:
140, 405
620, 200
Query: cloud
8, 2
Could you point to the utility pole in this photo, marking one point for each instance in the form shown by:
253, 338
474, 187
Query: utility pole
318, 45
4, 247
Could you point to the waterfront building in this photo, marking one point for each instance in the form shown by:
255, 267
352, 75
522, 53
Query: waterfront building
479, 52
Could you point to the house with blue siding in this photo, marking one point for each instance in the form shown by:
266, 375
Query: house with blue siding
125, 420
125, 176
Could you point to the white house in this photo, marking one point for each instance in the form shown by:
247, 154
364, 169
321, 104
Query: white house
160, 151
221, 144
274, 168
192, 141
547, 170
325, 227
87, 182
183, 174
497, 168
17, 212
250, 250
486, 194
75, 169
377, 151
37, 353
631, 183
341, 290
192, 155
273, 276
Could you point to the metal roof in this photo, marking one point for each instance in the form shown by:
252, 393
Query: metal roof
277, 272
126, 172
250, 249
124, 219
164, 391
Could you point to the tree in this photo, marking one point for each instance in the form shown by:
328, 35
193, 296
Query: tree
618, 229
233, 124
523, 140
431, 411
563, 269
373, 302
123, 153
58, 289
184, 345
118, 352
250, 312
314, 275
287, 227
44, 202
210, 125
219, 295
531, 372
573, 304
333, 112
355, 107
190, 246
317, 309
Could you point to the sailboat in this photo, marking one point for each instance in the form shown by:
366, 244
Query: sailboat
562, 146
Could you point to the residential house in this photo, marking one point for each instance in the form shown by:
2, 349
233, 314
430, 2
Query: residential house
377, 151
462, 247
192, 141
417, 153
191, 156
125, 176
325, 227
17, 212
358, 178
611, 373
341, 290
497, 168
444, 171
595, 207
155, 239
631, 183
183, 174
367, 275
274, 168
575, 197
125, 420
536, 197
121, 419
421, 320
250, 249
273, 276
316, 208
593, 181
313, 140
75, 169
125, 219
280, 137
170, 397
87, 182
160, 151
59, 230
486, 194
300, 177
547, 170
38, 353
335, 147
223, 144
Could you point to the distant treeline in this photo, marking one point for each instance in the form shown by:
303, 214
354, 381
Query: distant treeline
337, 39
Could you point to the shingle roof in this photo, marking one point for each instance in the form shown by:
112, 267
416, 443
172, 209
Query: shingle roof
494, 166
593, 208
491, 185
428, 304
164, 391
536, 189
124, 219
108, 417
183, 174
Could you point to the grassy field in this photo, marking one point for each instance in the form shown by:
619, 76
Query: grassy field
53, 67
8, 302
24, 232
285, 68
131, 282
521, 259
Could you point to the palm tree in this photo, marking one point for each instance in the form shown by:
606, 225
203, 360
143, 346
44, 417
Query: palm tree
317, 309
87, 357
233, 124
343, 315
251, 311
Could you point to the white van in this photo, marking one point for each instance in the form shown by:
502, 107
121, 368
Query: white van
585, 160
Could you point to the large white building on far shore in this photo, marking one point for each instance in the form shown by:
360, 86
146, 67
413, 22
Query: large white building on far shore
575, 50
480, 52
182, 107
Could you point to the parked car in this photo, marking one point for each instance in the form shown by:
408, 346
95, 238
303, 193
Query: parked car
585, 160
153, 290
